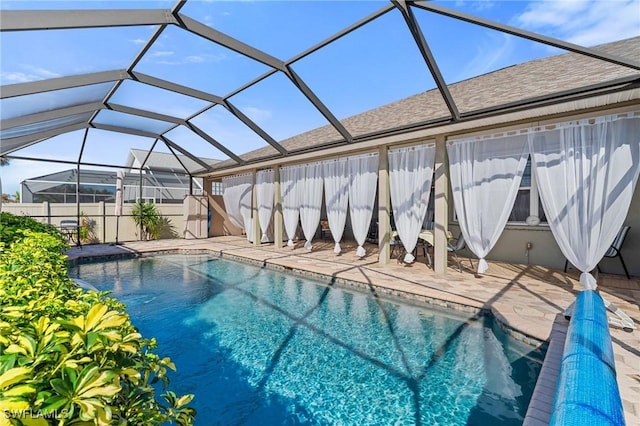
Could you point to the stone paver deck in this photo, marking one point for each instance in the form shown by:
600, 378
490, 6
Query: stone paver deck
528, 299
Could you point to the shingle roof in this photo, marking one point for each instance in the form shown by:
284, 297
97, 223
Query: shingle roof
515, 83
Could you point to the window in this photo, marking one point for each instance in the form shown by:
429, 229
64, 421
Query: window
527, 201
216, 188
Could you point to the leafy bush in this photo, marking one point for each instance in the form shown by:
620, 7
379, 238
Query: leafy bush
11, 227
73, 357
154, 225
164, 229
88, 230
148, 215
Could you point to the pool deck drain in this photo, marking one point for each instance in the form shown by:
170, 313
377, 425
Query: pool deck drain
527, 299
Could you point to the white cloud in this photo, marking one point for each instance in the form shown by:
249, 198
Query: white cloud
137, 41
162, 53
12, 77
583, 22
42, 72
257, 114
27, 73
195, 59
490, 54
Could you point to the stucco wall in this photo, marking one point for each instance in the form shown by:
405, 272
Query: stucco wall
511, 247
101, 213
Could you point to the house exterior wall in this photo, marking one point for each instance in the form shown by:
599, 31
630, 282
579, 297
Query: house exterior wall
220, 223
195, 208
511, 247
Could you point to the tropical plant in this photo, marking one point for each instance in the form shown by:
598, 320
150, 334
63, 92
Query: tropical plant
16, 196
154, 225
147, 215
164, 229
88, 229
11, 227
72, 357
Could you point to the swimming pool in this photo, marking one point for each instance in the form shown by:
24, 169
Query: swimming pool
260, 347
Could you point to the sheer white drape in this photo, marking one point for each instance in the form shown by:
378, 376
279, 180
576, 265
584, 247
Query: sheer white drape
237, 191
311, 201
586, 174
363, 182
410, 176
336, 195
290, 188
485, 177
265, 192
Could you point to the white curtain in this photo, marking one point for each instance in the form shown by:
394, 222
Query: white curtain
311, 201
363, 182
410, 176
290, 187
265, 192
237, 194
336, 196
485, 177
586, 173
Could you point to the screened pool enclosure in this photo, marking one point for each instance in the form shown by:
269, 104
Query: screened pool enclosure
263, 86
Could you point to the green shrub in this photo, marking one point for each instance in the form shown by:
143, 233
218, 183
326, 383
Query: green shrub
148, 215
88, 230
11, 227
154, 225
73, 357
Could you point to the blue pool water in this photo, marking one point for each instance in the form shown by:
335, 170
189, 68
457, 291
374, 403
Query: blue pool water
259, 347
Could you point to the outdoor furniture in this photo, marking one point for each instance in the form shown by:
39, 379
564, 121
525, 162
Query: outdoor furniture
325, 231
396, 244
614, 250
372, 235
425, 240
69, 227
455, 246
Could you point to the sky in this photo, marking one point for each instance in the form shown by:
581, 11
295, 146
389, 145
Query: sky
375, 65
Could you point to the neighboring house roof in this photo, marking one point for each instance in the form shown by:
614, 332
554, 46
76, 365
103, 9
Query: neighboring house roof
165, 171
516, 83
104, 177
165, 161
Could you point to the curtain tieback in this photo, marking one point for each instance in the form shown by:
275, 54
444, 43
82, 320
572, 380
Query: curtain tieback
290, 243
588, 281
482, 266
337, 249
361, 251
308, 245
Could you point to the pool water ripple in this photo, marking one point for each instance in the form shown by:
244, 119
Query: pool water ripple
260, 347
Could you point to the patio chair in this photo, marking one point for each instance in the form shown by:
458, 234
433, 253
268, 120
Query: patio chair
372, 234
455, 246
396, 247
325, 231
614, 250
